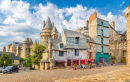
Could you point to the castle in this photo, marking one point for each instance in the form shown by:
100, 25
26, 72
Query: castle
21, 49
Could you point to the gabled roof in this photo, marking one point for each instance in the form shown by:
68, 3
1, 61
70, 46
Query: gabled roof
48, 24
70, 33
54, 29
12, 55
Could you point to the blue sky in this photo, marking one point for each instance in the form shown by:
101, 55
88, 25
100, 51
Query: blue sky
23, 18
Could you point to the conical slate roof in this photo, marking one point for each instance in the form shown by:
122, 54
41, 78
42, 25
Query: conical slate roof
35, 42
48, 24
54, 29
27, 40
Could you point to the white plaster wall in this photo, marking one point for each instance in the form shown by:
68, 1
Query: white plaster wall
105, 23
71, 54
98, 48
106, 41
99, 39
106, 49
105, 31
55, 55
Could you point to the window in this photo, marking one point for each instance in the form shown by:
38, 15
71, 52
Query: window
76, 40
102, 32
61, 53
102, 40
89, 46
61, 45
76, 52
102, 23
102, 50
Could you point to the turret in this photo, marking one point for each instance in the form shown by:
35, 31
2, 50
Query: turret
54, 33
13, 49
46, 32
4, 49
25, 48
18, 50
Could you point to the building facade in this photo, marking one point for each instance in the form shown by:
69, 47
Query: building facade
99, 32
65, 51
117, 43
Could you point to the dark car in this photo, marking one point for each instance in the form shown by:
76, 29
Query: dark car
10, 69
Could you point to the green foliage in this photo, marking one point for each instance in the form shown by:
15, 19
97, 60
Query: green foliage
113, 57
99, 63
6, 59
74, 65
29, 61
90, 65
105, 63
37, 50
21, 60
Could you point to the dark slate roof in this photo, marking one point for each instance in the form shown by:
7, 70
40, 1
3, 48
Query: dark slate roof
89, 39
54, 43
12, 55
54, 29
70, 33
18, 43
48, 24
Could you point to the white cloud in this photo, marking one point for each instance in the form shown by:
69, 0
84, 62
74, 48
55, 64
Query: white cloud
122, 3
21, 23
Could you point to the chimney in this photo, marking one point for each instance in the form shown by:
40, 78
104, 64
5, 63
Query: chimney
4, 49
113, 24
52, 25
93, 16
87, 24
43, 24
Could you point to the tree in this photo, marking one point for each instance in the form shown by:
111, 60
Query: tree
21, 60
6, 59
37, 50
29, 61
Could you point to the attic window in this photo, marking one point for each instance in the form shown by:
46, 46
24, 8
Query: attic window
77, 40
61, 45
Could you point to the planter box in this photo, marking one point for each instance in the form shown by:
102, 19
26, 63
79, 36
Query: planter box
74, 68
89, 67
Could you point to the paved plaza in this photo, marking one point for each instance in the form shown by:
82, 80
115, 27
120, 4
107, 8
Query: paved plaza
55, 75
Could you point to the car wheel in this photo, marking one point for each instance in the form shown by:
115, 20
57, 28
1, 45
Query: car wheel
17, 71
3, 73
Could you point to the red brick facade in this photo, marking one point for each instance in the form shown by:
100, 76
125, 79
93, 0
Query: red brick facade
92, 16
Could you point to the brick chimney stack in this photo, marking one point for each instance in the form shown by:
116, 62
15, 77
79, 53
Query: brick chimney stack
87, 24
113, 24
93, 16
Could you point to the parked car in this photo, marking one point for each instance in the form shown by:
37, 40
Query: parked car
1, 68
10, 69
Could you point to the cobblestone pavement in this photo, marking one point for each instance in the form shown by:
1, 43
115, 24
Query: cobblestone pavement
63, 74
119, 75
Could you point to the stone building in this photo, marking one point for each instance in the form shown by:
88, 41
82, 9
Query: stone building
65, 51
117, 43
91, 44
21, 49
127, 16
99, 32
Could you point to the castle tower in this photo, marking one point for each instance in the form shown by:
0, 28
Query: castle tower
9, 46
46, 32
54, 33
127, 16
13, 49
18, 51
25, 48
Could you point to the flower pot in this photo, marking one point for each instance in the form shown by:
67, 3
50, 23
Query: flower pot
111, 64
105, 65
74, 68
89, 67
99, 65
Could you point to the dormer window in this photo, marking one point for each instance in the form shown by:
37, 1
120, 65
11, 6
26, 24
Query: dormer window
61, 45
77, 40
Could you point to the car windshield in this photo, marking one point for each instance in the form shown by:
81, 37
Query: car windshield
8, 67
